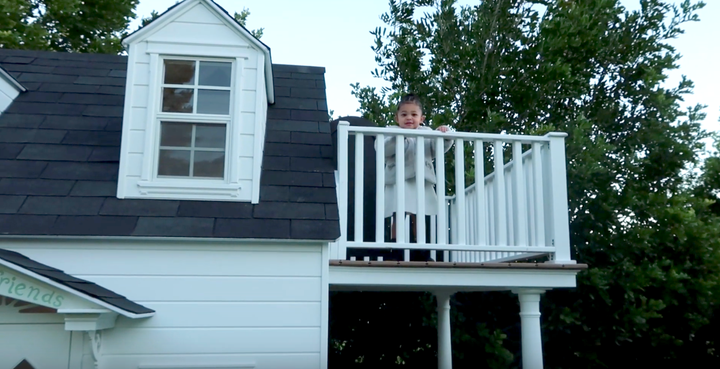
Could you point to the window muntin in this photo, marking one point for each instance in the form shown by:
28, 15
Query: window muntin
194, 90
196, 87
193, 150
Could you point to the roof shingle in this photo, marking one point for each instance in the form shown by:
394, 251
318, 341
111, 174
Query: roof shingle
60, 148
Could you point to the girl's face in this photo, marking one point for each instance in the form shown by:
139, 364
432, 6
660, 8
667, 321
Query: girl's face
409, 116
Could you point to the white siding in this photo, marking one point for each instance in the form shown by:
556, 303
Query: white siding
8, 93
198, 32
216, 304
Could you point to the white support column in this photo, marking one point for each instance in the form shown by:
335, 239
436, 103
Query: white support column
532, 355
444, 330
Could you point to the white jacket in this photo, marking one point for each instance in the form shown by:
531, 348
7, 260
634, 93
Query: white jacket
410, 151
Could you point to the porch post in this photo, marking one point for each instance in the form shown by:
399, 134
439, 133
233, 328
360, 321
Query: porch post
532, 355
443, 329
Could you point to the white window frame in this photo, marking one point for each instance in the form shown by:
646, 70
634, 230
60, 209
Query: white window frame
152, 185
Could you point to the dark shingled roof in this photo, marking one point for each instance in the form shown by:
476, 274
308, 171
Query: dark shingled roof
85, 287
60, 148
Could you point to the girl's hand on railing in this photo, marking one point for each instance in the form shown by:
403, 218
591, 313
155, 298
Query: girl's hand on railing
444, 129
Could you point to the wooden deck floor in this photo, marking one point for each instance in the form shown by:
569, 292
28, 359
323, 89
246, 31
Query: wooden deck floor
440, 264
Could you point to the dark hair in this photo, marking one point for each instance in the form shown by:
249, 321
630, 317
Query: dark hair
410, 99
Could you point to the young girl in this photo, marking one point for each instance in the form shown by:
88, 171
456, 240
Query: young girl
409, 115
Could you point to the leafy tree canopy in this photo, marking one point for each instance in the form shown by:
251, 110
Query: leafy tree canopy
597, 71
88, 26
93, 26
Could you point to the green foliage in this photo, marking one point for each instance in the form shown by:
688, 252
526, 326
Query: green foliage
86, 26
89, 26
596, 71
240, 17
146, 20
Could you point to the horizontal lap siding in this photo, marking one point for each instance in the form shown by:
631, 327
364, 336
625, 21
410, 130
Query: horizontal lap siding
206, 261
230, 314
211, 341
270, 361
146, 290
215, 305
211, 34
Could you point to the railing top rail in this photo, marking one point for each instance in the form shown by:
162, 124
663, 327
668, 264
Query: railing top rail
451, 135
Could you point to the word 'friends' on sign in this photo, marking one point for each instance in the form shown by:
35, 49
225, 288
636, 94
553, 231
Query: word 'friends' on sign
14, 287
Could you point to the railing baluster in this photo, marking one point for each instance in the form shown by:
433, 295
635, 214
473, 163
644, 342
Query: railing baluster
480, 192
380, 188
442, 229
420, 181
492, 217
470, 215
453, 222
520, 200
530, 190
460, 190
509, 208
500, 200
433, 236
539, 194
400, 189
359, 185
342, 130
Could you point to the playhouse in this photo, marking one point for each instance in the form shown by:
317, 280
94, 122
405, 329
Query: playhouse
190, 205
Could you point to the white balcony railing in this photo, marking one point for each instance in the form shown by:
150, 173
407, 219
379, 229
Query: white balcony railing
515, 213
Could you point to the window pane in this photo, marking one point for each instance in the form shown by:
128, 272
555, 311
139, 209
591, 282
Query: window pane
175, 134
215, 74
210, 135
209, 164
174, 163
213, 102
180, 72
177, 100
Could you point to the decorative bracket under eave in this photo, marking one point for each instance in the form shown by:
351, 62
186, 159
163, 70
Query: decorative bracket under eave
92, 322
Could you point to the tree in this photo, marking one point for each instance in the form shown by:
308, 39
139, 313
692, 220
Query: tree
240, 17
89, 26
596, 71
85, 26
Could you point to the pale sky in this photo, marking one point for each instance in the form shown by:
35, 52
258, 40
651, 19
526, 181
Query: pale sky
335, 34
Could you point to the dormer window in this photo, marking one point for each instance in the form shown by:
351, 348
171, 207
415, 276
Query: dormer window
195, 108
195, 112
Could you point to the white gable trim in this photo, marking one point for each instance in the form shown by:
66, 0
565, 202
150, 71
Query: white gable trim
12, 81
95, 305
9, 90
184, 7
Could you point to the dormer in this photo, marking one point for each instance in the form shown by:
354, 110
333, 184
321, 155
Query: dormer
9, 89
197, 91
